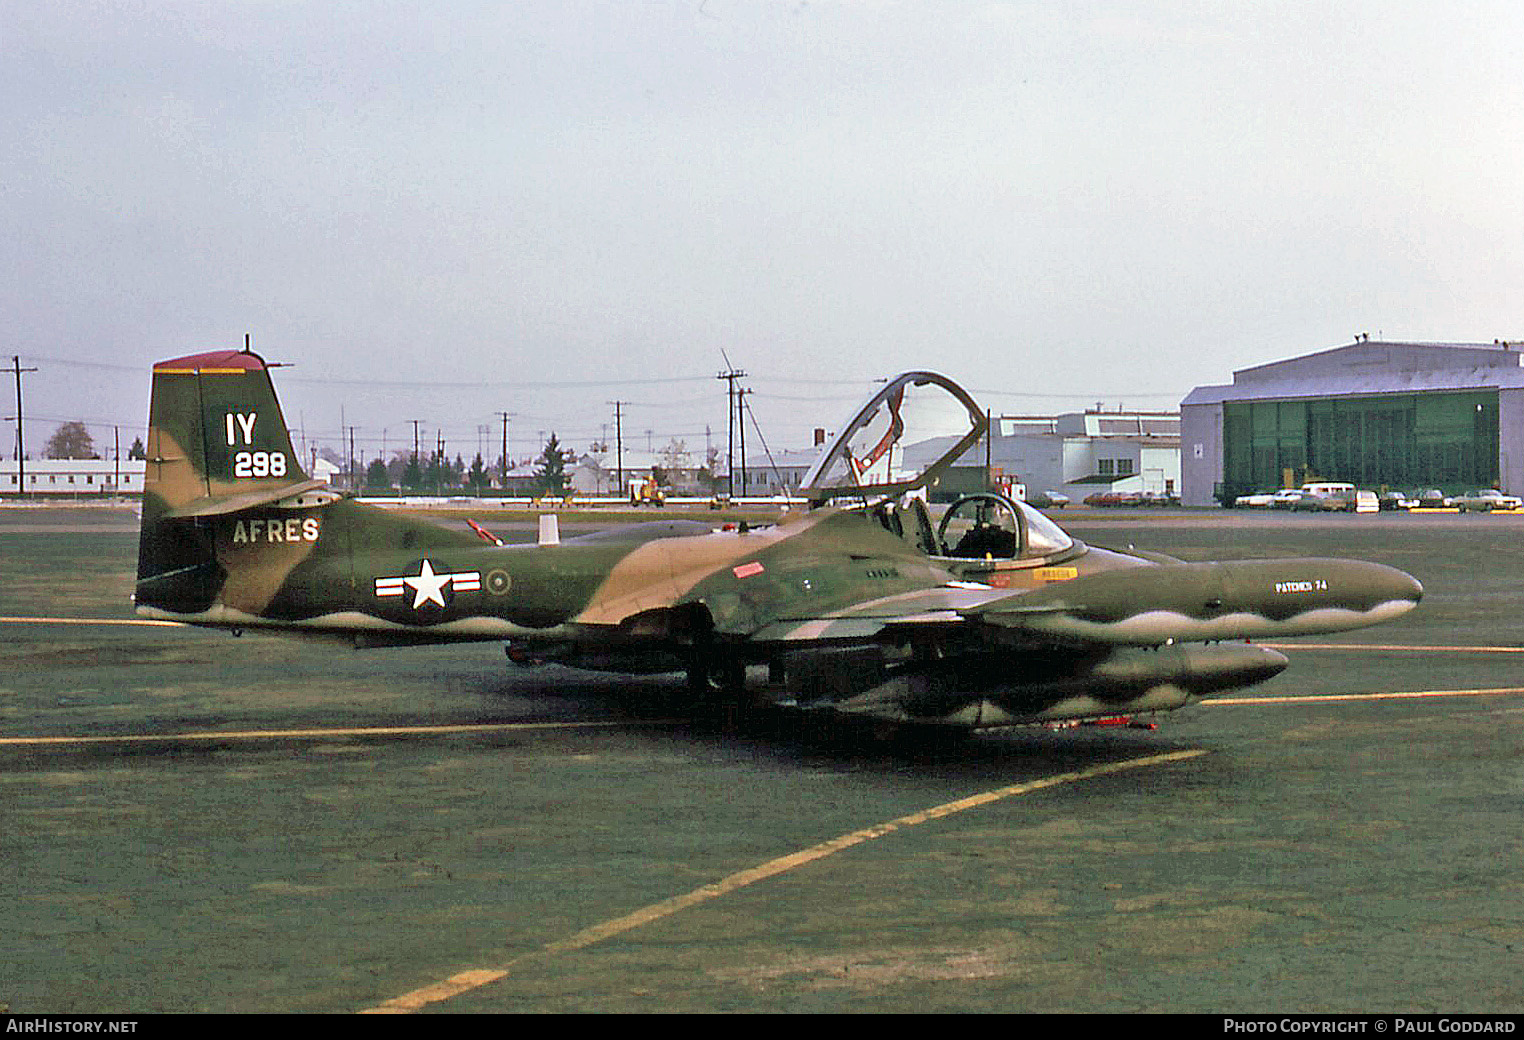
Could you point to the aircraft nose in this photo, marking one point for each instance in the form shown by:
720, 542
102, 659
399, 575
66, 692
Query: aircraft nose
1415, 587
1389, 590
1398, 585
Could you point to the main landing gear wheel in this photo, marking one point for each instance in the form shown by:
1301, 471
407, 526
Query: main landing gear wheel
717, 687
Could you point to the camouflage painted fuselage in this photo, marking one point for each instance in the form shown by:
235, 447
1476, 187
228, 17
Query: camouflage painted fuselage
846, 604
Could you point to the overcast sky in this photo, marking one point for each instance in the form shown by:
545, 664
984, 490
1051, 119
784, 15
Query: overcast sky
443, 210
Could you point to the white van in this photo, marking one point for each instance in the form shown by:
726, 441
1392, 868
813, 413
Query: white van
1330, 488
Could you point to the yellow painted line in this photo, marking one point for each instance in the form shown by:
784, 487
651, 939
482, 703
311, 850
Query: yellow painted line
308, 734
1313, 698
468, 980
88, 621
1398, 646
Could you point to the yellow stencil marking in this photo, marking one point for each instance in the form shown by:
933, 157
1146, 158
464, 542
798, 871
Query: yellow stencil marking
320, 734
1313, 698
469, 980
86, 621
1399, 647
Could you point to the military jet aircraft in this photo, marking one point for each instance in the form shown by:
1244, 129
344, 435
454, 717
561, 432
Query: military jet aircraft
867, 604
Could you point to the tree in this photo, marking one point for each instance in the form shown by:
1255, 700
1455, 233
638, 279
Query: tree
434, 475
478, 480
376, 478
705, 474
70, 441
675, 455
412, 475
137, 451
396, 467
550, 471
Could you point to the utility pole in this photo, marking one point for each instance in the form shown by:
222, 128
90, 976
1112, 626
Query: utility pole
730, 376
988, 448
503, 477
619, 443
414, 465
741, 393
20, 442
354, 480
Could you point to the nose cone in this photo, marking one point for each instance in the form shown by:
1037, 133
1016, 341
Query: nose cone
1373, 592
1389, 585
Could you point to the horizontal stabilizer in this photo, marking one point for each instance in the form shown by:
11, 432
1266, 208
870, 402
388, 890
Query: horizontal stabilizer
213, 505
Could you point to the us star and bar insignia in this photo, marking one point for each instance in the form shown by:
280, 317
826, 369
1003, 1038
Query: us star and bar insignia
428, 585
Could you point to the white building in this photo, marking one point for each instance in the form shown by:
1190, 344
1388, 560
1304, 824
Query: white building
1077, 453
77, 477
765, 475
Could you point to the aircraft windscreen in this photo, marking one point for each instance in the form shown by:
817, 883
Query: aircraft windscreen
1044, 537
991, 526
914, 423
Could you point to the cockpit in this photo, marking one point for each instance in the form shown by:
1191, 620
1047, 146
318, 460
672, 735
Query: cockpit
993, 527
898, 444
984, 528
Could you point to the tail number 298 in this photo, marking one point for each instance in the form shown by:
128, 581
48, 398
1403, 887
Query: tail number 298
259, 464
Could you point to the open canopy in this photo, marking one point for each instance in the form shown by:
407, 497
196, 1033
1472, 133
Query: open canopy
868, 456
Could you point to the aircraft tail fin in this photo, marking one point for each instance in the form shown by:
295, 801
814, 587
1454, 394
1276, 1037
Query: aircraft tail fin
216, 439
217, 444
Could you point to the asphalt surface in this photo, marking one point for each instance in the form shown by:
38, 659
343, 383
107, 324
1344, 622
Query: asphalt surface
1344, 855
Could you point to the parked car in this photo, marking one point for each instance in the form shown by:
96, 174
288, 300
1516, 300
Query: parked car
1397, 500
1048, 499
1285, 498
1432, 498
1366, 502
1256, 500
1486, 500
1322, 502
1113, 498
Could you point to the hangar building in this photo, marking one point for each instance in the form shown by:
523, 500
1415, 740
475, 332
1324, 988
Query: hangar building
1376, 414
